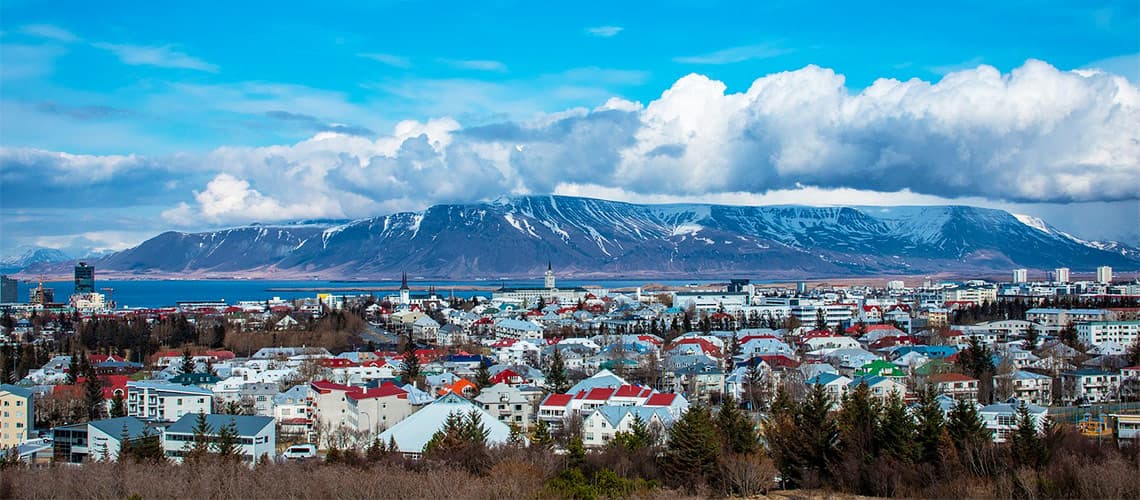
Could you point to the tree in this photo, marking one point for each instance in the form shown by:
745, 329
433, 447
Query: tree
556, 373
895, 432
1031, 335
118, 406
187, 365
200, 440
737, 433
858, 420
1068, 336
93, 397
540, 437
410, 368
228, 443
74, 369
462, 441
482, 374
930, 426
1024, 443
693, 447
967, 431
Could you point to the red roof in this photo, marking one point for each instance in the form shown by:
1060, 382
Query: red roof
335, 362
560, 400
706, 346
777, 360
385, 390
599, 394
751, 337
632, 391
504, 343
661, 399
221, 355
325, 386
950, 377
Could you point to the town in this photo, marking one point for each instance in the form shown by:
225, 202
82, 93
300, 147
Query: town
577, 371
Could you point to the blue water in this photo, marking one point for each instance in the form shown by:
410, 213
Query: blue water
160, 293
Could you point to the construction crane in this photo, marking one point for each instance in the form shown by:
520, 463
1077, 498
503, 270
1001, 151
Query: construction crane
110, 295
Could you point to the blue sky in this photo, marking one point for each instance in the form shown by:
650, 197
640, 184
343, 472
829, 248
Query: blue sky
117, 122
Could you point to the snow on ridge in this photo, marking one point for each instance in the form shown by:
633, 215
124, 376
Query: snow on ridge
687, 228
1033, 222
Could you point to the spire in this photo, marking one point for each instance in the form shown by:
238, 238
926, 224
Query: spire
548, 268
404, 281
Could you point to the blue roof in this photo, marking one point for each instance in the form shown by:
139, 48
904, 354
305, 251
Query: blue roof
17, 390
114, 426
1024, 375
246, 425
824, 378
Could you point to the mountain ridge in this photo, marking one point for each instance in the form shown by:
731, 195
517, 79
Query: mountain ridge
516, 236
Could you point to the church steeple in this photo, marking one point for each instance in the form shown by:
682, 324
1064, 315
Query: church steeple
548, 281
404, 281
405, 292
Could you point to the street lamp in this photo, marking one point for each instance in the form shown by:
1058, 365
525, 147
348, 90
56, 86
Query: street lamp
369, 426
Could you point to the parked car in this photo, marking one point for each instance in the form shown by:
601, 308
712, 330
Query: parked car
300, 451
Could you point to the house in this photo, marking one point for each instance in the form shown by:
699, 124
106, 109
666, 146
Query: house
18, 415
257, 436
835, 385
98, 440
1001, 418
507, 404
290, 410
1089, 385
413, 433
338, 409
425, 329
518, 329
955, 385
600, 426
881, 387
156, 400
881, 368
1033, 388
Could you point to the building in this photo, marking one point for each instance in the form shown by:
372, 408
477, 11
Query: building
955, 385
548, 293
154, 400
16, 419
105, 437
600, 426
1061, 275
975, 294
8, 288
1001, 418
41, 296
84, 278
1104, 274
1090, 385
1052, 320
257, 436
1095, 333
508, 404
1020, 275
334, 409
1030, 387
413, 433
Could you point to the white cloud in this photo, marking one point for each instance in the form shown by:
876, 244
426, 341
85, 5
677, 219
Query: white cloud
1127, 65
50, 32
476, 64
389, 59
604, 31
163, 56
734, 55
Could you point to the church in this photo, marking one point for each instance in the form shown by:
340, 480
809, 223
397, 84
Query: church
549, 292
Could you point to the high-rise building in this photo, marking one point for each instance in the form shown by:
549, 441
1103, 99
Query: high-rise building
8, 290
84, 278
1020, 275
1104, 274
1061, 275
42, 296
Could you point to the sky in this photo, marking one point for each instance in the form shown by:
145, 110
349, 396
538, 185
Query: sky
120, 121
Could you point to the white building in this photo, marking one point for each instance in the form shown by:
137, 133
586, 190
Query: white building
155, 400
257, 436
1020, 275
1095, 333
1061, 275
1001, 418
599, 427
1104, 274
508, 404
413, 433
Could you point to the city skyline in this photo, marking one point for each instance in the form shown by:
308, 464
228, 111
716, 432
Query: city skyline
121, 124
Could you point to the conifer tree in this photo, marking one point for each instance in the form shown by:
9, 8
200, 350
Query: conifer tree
1024, 443
410, 367
376, 450
556, 373
228, 446
737, 433
200, 444
857, 420
483, 375
928, 432
187, 365
118, 406
74, 369
967, 431
818, 430
93, 397
693, 447
895, 433
540, 437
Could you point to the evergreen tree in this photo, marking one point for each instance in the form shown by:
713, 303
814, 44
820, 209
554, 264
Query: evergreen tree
736, 431
556, 374
200, 444
636, 439
93, 397
1134, 353
228, 445
376, 450
1068, 336
857, 421
187, 365
1024, 443
74, 369
483, 375
930, 426
410, 367
118, 406
540, 437
148, 448
895, 433
967, 431
818, 430
1031, 336
576, 453
693, 447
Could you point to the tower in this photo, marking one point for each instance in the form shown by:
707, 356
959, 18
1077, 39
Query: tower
548, 279
1104, 275
405, 292
84, 278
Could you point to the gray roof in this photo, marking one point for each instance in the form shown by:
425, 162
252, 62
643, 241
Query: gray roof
414, 432
246, 425
17, 390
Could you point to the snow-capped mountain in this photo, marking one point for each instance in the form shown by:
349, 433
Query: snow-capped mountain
517, 236
29, 256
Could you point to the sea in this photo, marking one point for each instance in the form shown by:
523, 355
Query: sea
162, 293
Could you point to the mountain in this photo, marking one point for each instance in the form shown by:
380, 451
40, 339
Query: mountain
31, 256
589, 237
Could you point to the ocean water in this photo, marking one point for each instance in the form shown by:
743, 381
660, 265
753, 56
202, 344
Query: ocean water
160, 293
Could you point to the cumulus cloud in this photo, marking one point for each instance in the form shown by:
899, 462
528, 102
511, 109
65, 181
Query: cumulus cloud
1035, 135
